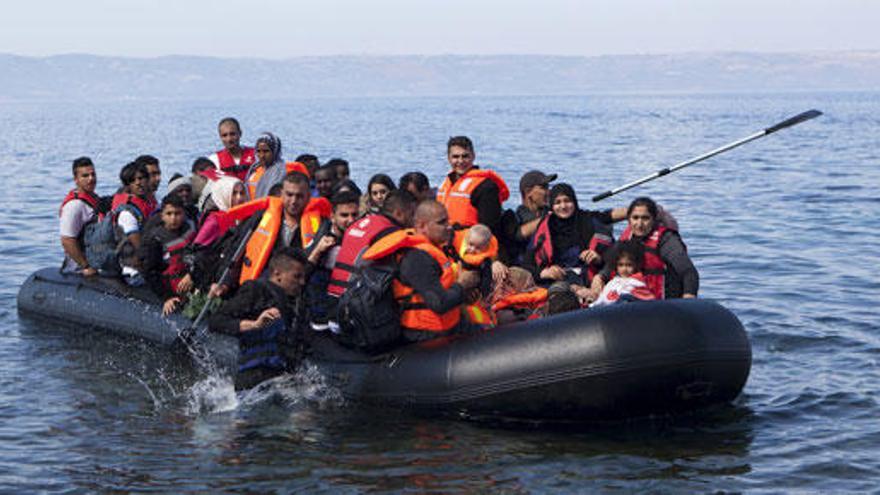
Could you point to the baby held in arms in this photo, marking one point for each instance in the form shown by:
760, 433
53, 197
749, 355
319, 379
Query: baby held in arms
477, 240
628, 283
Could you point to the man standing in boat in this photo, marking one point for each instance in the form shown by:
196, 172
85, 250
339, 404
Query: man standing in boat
234, 159
79, 208
470, 194
154, 178
473, 195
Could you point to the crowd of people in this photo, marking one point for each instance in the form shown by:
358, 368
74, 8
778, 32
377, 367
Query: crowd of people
457, 259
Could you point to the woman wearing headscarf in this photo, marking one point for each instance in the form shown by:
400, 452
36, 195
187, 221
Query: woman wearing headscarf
216, 199
269, 168
569, 241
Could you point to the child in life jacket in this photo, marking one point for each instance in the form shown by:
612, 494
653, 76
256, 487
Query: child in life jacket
477, 249
162, 252
628, 283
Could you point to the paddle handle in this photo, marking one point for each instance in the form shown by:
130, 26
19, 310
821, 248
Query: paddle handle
188, 332
797, 119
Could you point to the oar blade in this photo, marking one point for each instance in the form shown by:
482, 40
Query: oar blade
797, 119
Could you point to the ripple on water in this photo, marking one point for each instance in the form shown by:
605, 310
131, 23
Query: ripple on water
86, 412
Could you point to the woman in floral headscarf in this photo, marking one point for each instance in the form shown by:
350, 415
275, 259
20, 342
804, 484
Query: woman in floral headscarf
269, 168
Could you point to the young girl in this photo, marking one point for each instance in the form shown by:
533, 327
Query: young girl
629, 282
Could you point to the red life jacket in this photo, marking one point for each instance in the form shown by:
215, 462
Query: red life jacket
654, 268
154, 204
228, 165
88, 198
172, 255
358, 237
456, 197
211, 174
542, 244
144, 207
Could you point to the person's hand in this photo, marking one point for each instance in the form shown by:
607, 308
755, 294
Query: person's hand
499, 272
266, 318
553, 272
323, 245
218, 290
170, 305
584, 294
185, 285
89, 272
589, 256
468, 279
688, 296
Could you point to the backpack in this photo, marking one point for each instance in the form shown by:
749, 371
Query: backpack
368, 316
103, 241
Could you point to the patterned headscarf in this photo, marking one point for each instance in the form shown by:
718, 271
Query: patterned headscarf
274, 144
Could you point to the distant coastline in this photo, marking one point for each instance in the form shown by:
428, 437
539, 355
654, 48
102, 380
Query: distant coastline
98, 78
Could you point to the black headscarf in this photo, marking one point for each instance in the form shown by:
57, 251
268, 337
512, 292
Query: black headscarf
575, 230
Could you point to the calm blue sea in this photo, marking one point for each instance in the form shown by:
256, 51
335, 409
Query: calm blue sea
784, 232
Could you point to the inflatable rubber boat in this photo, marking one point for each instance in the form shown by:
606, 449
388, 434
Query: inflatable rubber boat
618, 361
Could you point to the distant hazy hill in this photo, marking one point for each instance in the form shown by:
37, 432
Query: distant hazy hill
88, 77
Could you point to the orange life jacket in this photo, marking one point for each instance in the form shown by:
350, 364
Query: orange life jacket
254, 179
472, 261
456, 197
524, 300
262, 241
414, 314
479, 315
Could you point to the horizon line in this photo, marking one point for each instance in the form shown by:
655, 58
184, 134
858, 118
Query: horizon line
872, 51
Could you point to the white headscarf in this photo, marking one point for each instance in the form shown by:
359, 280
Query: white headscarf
219, 192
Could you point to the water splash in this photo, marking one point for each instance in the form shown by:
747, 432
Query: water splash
212, 394
215, 393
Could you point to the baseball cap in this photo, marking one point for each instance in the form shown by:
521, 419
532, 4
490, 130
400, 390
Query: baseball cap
534, 178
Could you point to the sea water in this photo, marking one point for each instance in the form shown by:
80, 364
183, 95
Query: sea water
784, 232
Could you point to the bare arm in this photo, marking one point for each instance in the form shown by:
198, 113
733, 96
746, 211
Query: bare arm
618, 214
73, 251
528, 229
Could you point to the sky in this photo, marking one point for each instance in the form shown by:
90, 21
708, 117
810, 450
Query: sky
282, 29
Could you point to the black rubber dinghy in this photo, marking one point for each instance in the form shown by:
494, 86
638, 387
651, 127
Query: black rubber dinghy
620, 361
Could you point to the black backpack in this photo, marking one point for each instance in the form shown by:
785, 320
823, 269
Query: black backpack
368, 315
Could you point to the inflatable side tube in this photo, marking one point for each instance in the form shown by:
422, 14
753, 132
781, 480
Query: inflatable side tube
109, 305
621, 361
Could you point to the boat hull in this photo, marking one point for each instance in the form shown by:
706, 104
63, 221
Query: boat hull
620, 361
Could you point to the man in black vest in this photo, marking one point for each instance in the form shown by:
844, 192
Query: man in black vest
269, 318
